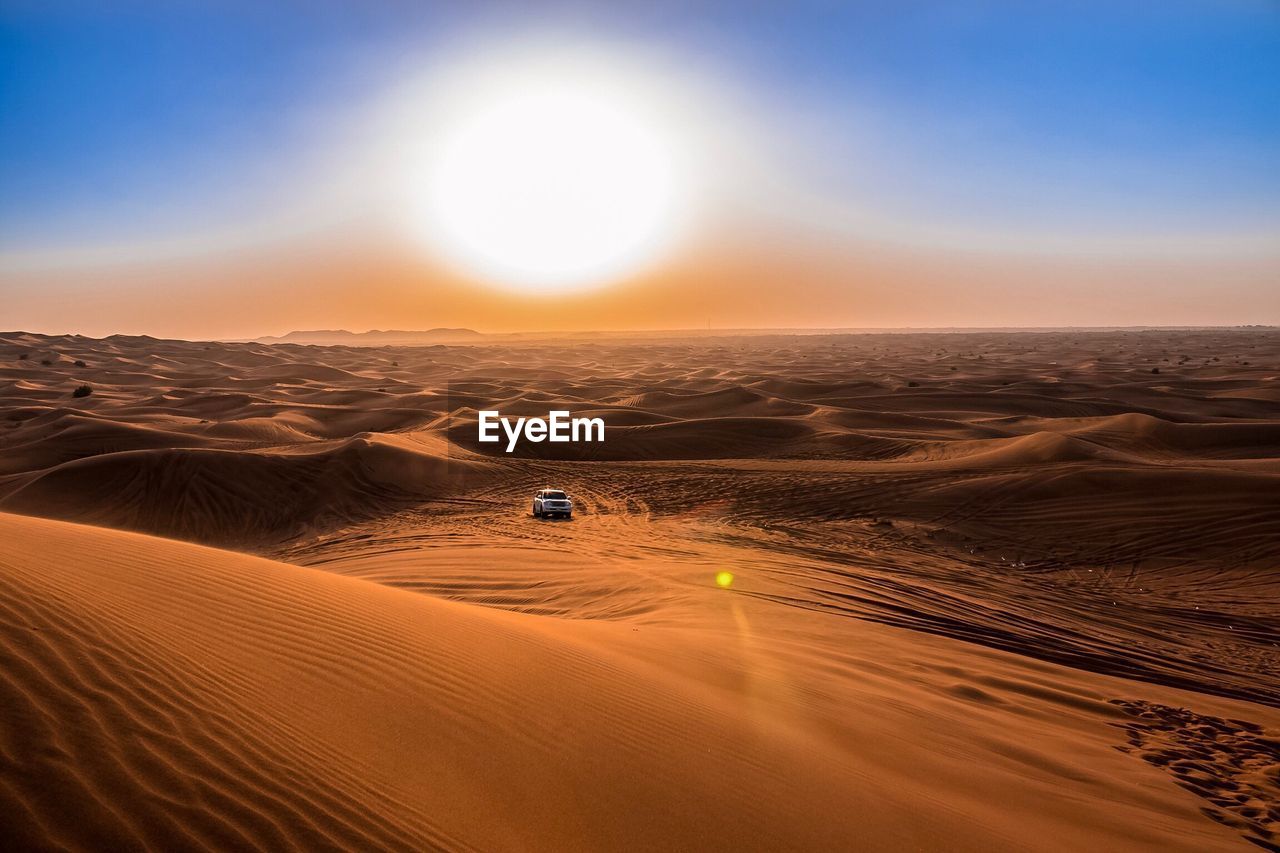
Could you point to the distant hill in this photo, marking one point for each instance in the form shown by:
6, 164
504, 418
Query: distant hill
374, 337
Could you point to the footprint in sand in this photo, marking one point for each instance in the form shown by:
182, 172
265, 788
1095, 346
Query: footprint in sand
1233, 764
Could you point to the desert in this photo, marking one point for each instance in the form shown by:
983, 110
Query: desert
979, 590
597, 426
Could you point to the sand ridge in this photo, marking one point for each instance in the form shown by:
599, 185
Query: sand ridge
183, 696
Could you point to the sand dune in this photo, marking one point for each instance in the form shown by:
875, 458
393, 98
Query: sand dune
991, 591
173, 696
239, 498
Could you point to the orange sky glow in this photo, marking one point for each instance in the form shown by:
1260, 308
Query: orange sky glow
743, 284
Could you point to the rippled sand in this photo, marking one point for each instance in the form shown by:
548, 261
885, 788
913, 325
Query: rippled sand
989, 591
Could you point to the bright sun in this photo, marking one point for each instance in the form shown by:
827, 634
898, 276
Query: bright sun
556, 182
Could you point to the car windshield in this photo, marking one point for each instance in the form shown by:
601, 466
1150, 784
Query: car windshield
554, 496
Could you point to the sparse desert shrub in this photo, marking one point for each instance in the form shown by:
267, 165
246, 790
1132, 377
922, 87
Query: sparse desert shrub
1155, 370
913, 384
46, 362
80, 363
23, 356
82, 391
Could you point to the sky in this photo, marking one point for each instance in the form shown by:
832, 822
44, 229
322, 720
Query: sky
225, 169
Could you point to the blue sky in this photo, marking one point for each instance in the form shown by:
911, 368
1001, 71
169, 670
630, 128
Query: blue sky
1143, 117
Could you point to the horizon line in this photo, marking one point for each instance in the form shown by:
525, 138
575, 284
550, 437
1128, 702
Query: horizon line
815, 331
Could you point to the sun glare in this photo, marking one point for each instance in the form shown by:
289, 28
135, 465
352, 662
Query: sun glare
555, 180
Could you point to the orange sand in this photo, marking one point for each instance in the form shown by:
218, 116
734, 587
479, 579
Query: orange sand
1028, 603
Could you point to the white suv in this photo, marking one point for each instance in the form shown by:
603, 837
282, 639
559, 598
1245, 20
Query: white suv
550, 503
